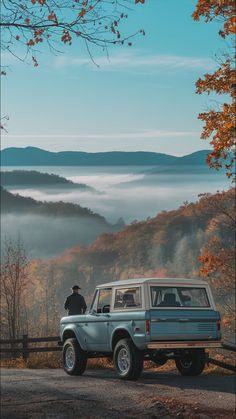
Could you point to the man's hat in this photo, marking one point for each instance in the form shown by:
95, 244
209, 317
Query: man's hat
76, 287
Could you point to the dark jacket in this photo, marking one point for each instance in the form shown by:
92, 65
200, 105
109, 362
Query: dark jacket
75, 303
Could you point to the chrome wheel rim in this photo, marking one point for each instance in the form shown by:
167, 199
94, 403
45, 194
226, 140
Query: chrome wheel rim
123, 360
70, 357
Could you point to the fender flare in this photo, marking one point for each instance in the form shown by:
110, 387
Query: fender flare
119, 329
72, 328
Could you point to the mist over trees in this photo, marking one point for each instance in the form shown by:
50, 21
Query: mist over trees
50, 228
168, 245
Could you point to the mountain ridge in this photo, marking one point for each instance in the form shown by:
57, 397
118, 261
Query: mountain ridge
33, 156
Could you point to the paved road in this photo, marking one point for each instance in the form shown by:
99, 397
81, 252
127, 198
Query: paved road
51, 393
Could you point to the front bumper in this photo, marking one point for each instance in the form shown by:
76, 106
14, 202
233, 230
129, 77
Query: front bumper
184, 345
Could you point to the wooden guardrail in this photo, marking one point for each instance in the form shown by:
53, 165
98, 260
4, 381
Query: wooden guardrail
228, 346
26, 349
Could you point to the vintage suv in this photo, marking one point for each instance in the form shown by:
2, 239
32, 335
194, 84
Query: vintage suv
144, 319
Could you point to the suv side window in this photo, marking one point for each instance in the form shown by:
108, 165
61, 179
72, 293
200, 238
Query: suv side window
104, 300
128, 298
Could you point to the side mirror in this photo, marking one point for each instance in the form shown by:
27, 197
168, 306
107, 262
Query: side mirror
106, 308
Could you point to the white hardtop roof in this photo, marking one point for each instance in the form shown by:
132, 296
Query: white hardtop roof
157, 281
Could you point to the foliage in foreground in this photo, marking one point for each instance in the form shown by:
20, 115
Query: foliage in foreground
220, 122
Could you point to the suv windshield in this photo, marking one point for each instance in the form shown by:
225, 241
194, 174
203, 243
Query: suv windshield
179, 297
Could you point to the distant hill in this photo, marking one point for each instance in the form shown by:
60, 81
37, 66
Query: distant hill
34, 178
191, 163
32, 156
11, 203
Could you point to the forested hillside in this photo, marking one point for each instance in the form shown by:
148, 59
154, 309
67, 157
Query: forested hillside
11, 203
167, 245
31, 178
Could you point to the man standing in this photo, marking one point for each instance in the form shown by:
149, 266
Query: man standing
75, 303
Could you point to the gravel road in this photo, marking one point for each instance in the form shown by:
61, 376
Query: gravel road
49, 393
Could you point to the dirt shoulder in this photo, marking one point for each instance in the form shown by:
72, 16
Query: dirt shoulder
99, 394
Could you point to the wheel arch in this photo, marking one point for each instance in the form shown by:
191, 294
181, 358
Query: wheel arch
67, 334
119, 334
70, 332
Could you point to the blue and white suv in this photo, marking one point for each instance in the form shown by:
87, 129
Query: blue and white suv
144, 319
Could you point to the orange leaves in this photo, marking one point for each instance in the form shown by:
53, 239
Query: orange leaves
82, 12
211, 9
35, 61
220, 81
113, 29
96, 21
66, 38
38, 36
53, 17
220, 123
30, 43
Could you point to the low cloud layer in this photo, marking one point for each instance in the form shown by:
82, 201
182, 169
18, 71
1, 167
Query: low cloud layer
128, 60
126, 192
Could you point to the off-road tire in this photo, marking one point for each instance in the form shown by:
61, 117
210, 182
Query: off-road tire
132, 368
192, 363
78, 362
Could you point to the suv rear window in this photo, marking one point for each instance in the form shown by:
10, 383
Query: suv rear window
179, 297
127, 298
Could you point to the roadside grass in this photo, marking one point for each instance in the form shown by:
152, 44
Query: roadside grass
54, 361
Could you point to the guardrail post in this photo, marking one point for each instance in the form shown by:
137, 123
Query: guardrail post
25, 347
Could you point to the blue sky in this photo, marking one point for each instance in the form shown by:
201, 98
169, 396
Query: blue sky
141, 98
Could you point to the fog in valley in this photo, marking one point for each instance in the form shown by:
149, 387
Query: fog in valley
46, 237
127, 192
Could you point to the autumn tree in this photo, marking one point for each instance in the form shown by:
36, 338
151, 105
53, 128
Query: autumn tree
14, 279
27, 24
218, 253
220, 122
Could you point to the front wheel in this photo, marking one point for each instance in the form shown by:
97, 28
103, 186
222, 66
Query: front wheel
128, 360
74, 358
191, 362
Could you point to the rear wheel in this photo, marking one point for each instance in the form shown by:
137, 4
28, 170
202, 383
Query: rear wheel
128, 360
191, 362
74, 358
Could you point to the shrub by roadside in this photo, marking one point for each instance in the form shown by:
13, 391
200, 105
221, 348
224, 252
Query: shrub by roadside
53, 360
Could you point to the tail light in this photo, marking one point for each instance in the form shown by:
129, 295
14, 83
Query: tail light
218, 325
147, 328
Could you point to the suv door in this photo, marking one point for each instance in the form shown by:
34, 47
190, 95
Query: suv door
97, 323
